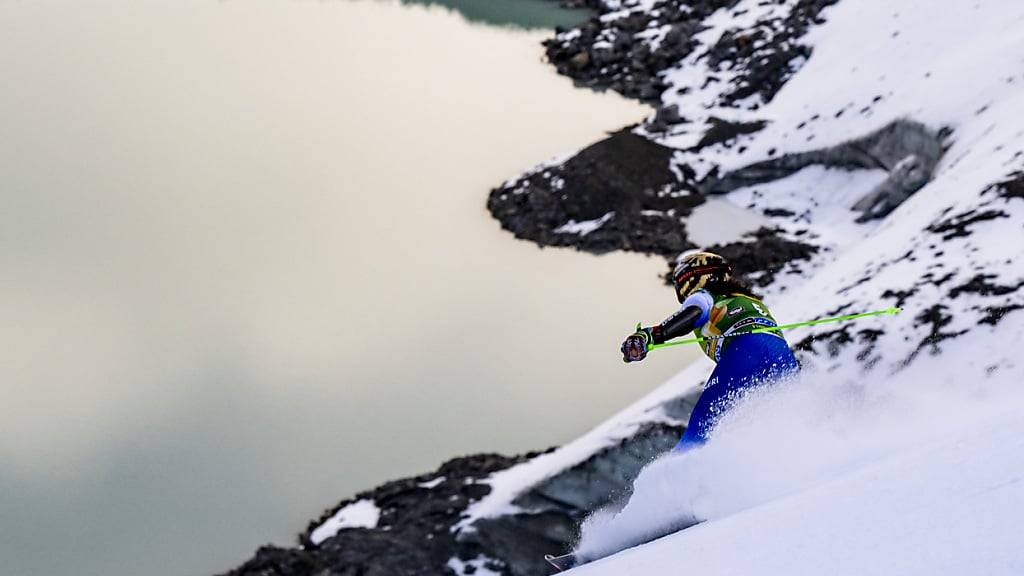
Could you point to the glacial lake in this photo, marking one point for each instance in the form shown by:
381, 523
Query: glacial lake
246, 268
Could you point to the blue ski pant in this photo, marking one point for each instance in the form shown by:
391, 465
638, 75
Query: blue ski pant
750, 360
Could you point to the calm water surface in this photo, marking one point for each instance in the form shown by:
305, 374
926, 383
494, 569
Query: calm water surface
246, 269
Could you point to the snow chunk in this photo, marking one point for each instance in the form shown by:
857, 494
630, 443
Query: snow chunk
585, 227
361, 514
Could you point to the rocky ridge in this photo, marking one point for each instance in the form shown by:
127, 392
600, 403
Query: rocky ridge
412, 535
635, 190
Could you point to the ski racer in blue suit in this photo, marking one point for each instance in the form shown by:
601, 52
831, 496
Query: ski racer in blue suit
722, 311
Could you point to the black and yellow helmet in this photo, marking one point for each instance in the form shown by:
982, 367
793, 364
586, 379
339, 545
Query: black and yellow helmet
696, 269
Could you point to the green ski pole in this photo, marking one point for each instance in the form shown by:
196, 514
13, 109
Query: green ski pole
892, 310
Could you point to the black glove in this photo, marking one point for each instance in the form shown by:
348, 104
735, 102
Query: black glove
635, 346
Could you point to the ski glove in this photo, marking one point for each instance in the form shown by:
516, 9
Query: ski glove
636, 345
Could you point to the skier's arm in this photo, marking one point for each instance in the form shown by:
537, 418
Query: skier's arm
691, 315
682, 322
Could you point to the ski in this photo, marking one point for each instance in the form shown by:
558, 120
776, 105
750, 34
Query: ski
563, 562
571, 560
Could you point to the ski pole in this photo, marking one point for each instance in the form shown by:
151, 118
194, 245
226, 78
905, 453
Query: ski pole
893, 310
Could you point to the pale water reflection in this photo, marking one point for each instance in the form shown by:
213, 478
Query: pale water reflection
246, 270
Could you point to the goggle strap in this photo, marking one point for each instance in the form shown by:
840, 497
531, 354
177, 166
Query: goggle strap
700, 270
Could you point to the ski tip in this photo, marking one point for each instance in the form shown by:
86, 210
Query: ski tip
561, 563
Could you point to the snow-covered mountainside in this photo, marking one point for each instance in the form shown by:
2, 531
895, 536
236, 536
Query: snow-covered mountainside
898, 451
881, 86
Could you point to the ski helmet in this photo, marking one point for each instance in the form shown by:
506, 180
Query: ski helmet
694, 271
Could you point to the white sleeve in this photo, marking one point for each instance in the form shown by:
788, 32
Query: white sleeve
701, 299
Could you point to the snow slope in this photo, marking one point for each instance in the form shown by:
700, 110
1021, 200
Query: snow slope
948, 506
905, 441
931, 483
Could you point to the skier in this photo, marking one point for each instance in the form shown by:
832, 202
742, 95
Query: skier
714, 305
722, 310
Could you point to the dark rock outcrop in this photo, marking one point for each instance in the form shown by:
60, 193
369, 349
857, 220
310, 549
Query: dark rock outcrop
765, 53
764, 253
626, 182
759, 256
412, 538
722, 131
606, 53
417, 533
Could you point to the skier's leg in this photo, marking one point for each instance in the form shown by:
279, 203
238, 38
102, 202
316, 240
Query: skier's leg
752, 360
779, 361
709, 406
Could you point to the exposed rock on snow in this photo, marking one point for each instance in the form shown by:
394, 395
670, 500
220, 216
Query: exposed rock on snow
763, 254
723, 131
412, 533
629, 47
626, 175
